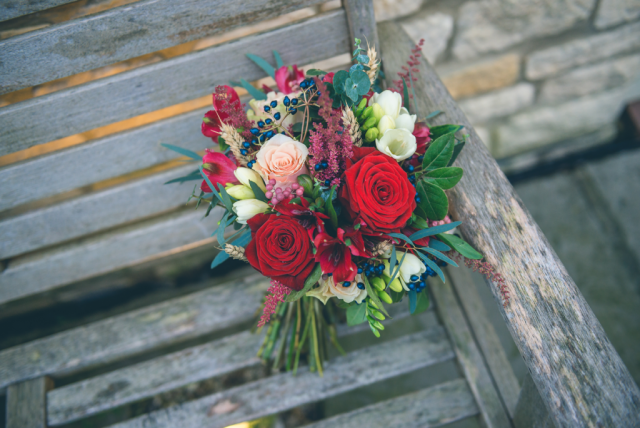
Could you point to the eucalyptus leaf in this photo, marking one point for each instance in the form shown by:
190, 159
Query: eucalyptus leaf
279, 62
194, 175
361, 81
221, 228
338, 81
433, 114
405, 95
315, 275
226, 199
444, 178
413, 300
435, 230
433, 200
268, 68
184, 152
315, 72
222, 256
254, 92
362, 59
439, 255
432, 265
439, 152
257, 191
351, 89
356, 314
356, 67
401, 236
437, 245
461, 246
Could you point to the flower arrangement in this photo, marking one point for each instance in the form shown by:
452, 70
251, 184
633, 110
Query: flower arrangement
336, 192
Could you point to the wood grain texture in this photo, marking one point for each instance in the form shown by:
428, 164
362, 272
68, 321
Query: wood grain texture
285, 391
46, 270
124, 32
10, 9
100, 159
428, 408
530, 410
168, 372
362, 21
26, 403
135, 332
493, 412
486, 337
173, 81
559, 337
94, 212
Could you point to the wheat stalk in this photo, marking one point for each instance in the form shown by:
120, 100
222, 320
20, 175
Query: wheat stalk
372, 64
234, 140
349, 122
235, 252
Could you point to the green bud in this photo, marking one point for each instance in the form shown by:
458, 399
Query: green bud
369, 123
378, 111
384, 297
372, 304
307, 184
378, 283
362, 105
319, 202
376, 333
371, 135
377, 314
395, 284
367, 112
375, 323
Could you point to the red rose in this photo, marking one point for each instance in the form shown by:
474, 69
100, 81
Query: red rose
377, 191
280, 249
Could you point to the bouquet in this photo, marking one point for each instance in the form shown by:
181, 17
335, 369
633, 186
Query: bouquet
336, 192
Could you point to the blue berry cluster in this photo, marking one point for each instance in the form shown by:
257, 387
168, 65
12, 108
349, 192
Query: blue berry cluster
370, 269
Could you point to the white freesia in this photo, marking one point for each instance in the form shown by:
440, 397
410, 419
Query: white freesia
385, 124
391, 103
248, 208
240, 191
411, 265
245, 175
400, 144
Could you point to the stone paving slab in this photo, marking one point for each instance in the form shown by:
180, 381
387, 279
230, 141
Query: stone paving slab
590, 217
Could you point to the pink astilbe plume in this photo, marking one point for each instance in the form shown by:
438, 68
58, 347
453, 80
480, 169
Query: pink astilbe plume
235, 110
411, 65
486, 269
330, 143
278, 293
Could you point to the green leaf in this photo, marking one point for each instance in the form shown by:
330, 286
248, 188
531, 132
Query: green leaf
439, 152
401, 236
356, 314
330, 210
221, 228
413, 91
211, 186
351, 89
356, 67
461, 246
437, 245
254, 92
297, 127
361, 82
374, 297
439, 255
308, 283
434, 230
184, 152
413, 300
456, 151
440, 130
405, 95
315, 72
444, 178
222, 144
432, 265
257, 191
242, 241
419, 222
268, 68
279, 62
433, 200
338, 81
433, 114
194, 175
362, 59
422, 303
392, 261
396, 296
396, 271
226, 199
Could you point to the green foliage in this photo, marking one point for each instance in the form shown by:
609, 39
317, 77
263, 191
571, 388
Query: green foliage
440, 130
405, 95
194, 175
254, 92
444, 178
311, 280
456, 151
434, 230
315, 72
257, 191
183, 152
222, 256
330, 209
439, 152
278, 59
356, 314
439, 255
222, 144
433, 200
437, 245
461, 246
431, 264
413, 301
268, 68
422, 302
371, 294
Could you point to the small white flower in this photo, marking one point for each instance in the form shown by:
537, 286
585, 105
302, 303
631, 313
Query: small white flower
386, 123
411, 265
245, 175
328, 289
248, 208
400, 144
240, 191
322, 292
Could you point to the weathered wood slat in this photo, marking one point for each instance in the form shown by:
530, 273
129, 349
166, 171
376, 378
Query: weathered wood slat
362, 21
285, 391
171, 371
10, 9
557, 333
530, 411
135, 332
99, 159
94, 212
46, 270
26, 403
166, 83
428, 408
473, 366
486, 336
124, 32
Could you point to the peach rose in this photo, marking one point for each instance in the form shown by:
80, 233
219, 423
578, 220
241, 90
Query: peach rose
282, 158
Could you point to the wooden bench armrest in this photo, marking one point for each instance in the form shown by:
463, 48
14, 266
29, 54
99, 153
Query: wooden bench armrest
576, 369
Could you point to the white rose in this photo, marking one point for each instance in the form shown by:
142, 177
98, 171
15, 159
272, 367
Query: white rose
411, 265
245, 175
240, 191
400, 144
247, 208
348, 294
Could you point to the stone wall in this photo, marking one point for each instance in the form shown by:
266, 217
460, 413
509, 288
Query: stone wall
531, 73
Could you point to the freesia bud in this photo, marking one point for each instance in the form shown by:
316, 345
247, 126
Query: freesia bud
378, 283
369, 123
245, 175
240, 191
385, 124
367, 112
371, 135
248, 208
378, 111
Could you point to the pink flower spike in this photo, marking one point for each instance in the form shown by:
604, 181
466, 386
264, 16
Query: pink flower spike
278, 294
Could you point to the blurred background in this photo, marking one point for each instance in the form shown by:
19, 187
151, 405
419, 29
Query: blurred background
552, 88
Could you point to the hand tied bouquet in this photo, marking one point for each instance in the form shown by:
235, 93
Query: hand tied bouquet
336, 192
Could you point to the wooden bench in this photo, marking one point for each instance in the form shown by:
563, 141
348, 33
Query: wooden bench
576, 376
